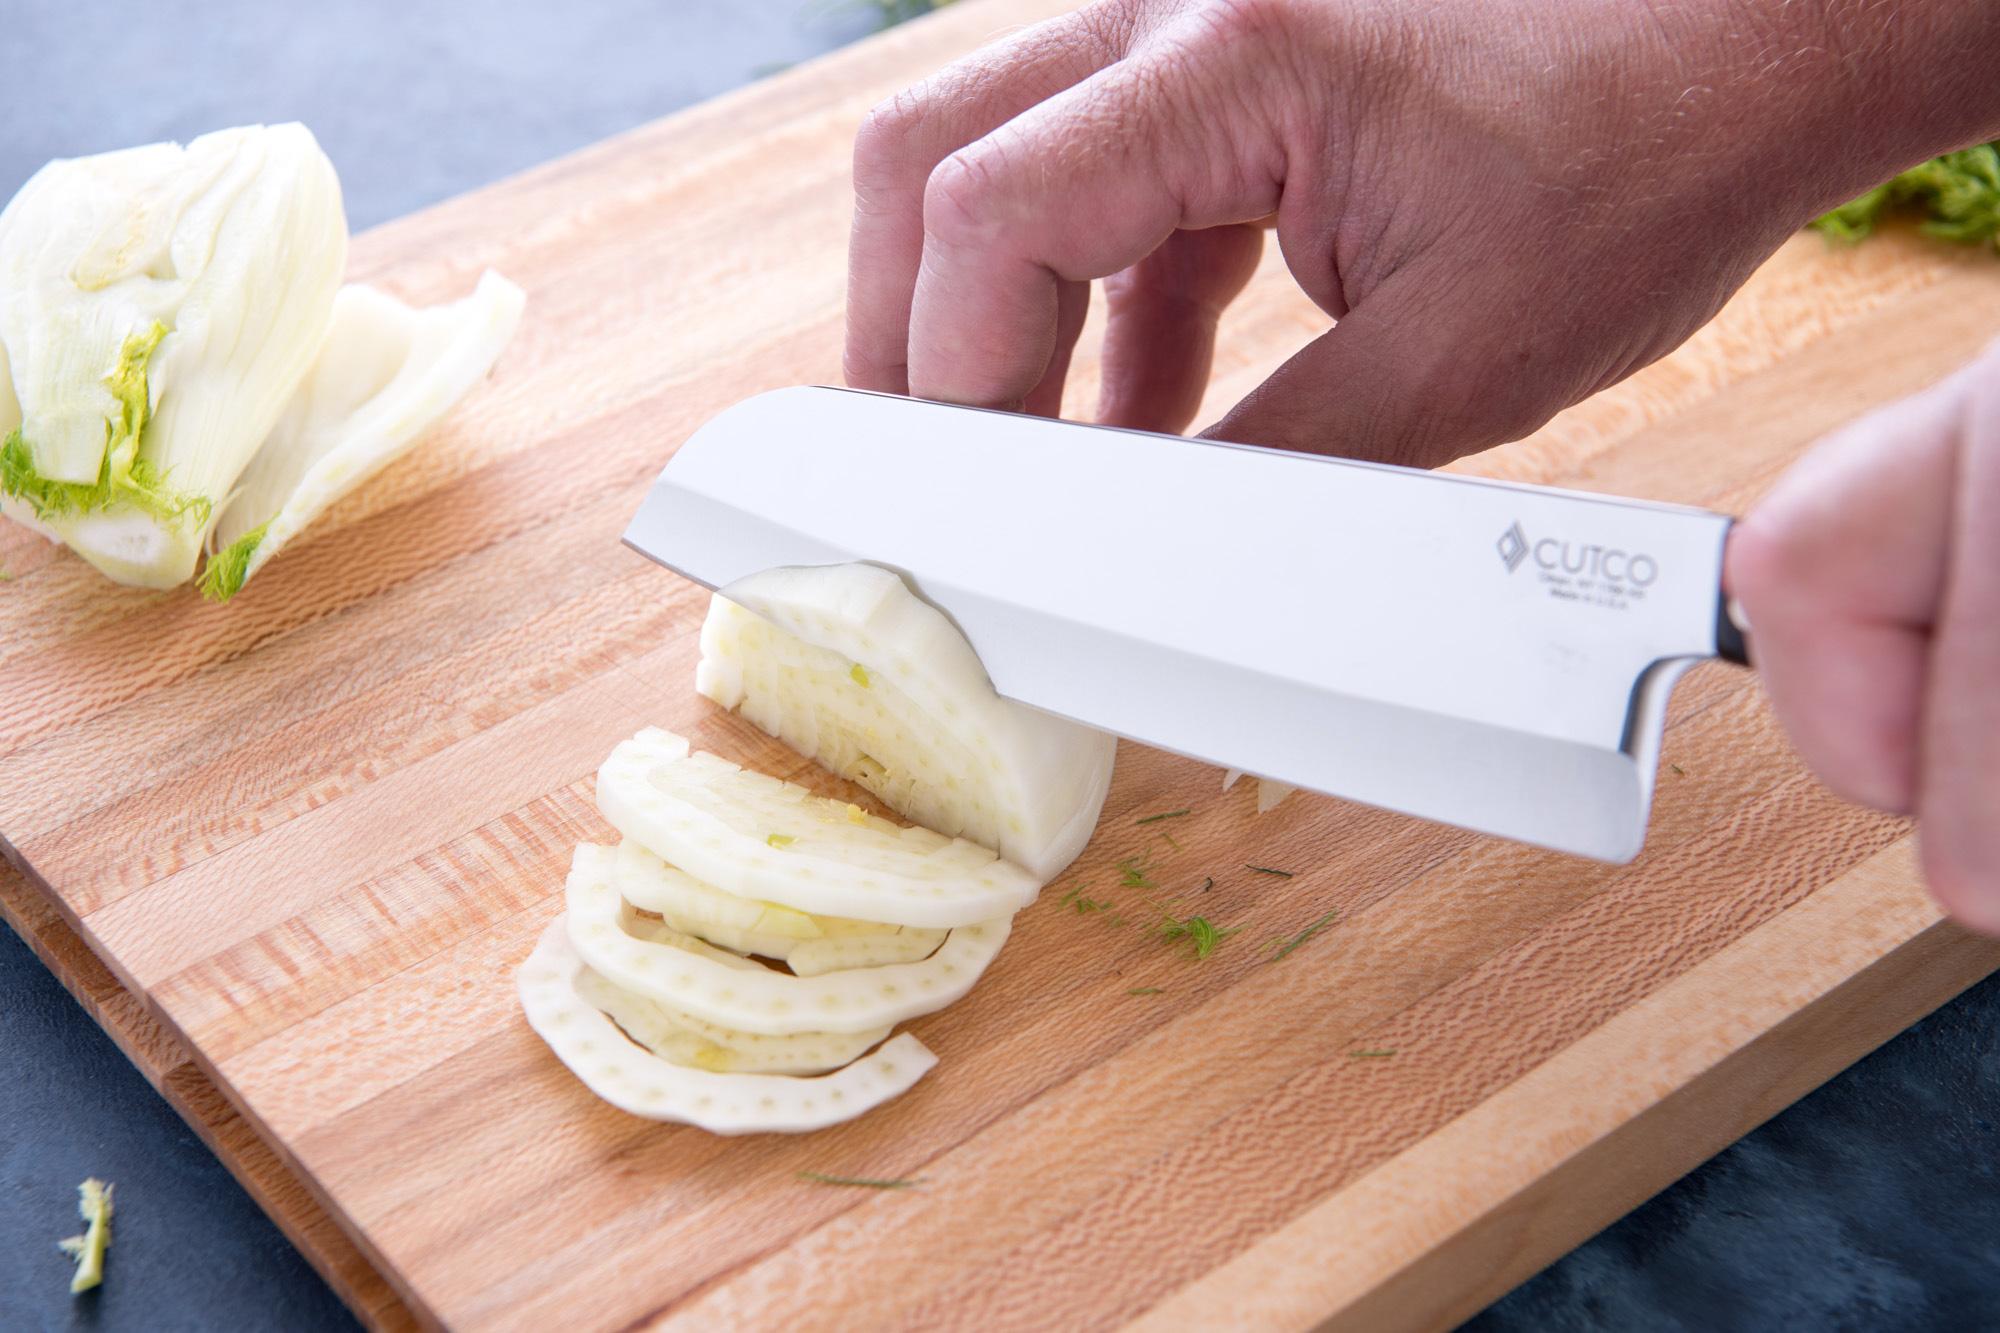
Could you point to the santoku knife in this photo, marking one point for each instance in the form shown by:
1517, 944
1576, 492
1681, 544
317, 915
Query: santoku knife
1485, 654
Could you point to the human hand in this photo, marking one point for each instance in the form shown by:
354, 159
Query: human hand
1871, 580
1507, 204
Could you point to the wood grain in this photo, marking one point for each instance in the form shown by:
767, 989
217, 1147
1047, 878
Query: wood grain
313, 832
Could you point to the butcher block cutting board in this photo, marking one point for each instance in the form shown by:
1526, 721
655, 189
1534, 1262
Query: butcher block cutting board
313, 832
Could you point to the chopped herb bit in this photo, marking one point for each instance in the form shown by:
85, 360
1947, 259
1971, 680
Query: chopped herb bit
1132, 874
1168, 837
1207, 883
1154, 819
1083, 904
1678, 770
859, 675
860, 1182
1304, 935
1201, 934
94, 1205
1369, 1055
780, 840
1266, 870
1145, 990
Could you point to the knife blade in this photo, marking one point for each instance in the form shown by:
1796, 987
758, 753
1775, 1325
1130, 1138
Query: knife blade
1486, 654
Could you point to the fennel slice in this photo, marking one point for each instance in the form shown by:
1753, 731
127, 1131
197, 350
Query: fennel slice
681, 1038
810, 945
643, 1084
724, 826
659, 963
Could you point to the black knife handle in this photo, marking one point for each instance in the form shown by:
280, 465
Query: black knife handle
1731, 631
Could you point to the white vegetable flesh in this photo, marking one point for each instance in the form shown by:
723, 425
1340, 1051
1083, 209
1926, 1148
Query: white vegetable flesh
386, 374
180, 368
158, 306
659, 963
1269, 792
849, 667
683, 1039
642, 1083
811, 945
758, 837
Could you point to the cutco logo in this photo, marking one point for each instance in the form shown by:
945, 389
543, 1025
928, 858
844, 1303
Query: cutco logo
1580, 571
1589, 561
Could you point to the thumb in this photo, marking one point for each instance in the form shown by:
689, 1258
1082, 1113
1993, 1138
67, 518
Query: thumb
1422, 371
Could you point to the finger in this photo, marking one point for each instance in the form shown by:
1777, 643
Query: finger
1958, 803
904, 139
1072, 308
1159, 339
1412, 375
1083, 185
1838, 570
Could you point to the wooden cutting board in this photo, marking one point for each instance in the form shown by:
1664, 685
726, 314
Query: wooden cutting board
314, 832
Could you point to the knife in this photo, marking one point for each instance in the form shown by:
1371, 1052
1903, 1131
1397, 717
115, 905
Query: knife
1486, 654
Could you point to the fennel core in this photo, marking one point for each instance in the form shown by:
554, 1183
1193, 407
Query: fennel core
122, 476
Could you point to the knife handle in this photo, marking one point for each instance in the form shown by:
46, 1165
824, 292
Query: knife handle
1732, 627
1732, 630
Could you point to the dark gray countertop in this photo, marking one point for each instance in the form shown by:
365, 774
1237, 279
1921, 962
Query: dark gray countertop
1874, 1203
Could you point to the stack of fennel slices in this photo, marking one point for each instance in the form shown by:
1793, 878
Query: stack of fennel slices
740, 959
182, 370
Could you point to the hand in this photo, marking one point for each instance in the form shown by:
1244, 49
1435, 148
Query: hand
1507, 204
1871, 579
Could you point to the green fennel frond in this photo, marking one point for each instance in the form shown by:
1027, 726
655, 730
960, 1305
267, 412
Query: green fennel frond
1957, 194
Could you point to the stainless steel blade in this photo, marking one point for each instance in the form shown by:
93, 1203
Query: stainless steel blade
1489, 655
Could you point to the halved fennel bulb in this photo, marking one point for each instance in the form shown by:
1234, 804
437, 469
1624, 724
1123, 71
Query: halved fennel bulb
158, 306
642, 1083
658, 963
849, 667
683, 1039
811, 945
758, 837
386, 374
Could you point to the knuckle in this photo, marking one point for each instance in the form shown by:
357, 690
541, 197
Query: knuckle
962, 197
883, 143
1234, 22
